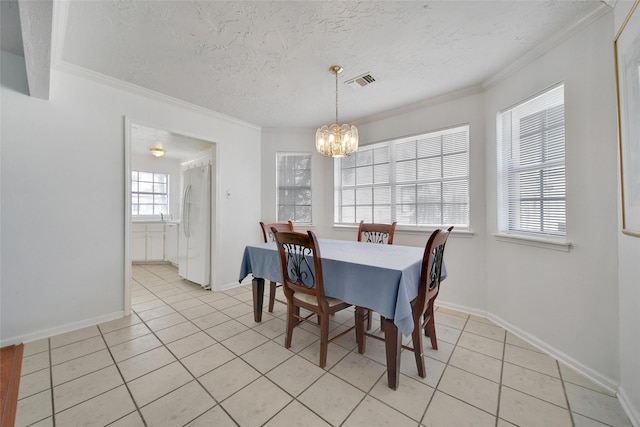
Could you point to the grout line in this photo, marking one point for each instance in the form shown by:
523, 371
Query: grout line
504, 352
166, 286
53, 402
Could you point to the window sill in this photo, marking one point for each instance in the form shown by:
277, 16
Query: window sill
539, 242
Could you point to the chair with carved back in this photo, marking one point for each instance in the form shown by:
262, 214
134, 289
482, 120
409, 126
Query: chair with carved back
267, 234
375, 233
303, 285
422, 306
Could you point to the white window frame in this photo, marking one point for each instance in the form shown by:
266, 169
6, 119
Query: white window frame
515, 190
384, 170
152, 193
281, 186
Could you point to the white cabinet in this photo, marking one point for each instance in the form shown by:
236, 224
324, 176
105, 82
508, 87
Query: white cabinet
138, 243
171, 242
147, 242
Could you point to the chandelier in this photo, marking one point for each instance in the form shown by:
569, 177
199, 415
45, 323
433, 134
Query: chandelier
337, 140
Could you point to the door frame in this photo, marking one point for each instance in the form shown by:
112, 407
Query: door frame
128, 143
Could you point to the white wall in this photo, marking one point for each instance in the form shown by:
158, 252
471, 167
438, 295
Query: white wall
62, 183
629, 293
465, 287
566, 302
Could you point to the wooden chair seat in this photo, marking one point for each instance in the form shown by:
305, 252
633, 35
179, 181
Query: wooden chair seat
312, 299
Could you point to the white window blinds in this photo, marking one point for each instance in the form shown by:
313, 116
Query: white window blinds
531, 166
420, 181
294, 187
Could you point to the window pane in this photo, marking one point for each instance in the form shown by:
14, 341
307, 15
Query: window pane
349, 214
364, 157
430, 168
145, 187
406, 150
364, 196
285, 212
364, 213
145, 209
406, 171
382, 214
364, 175
145, 176
303, 214
381, 174
303, 197
348, 177
429, 147
349, 197
429, 214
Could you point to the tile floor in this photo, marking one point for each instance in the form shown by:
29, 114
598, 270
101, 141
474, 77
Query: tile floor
190, 357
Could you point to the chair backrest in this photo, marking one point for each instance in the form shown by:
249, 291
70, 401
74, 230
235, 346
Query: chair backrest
431, 270
300, 264
279, 226
376, 233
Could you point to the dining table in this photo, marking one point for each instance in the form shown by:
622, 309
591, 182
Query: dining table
378, 277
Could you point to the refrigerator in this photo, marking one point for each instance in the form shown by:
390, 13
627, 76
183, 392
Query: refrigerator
194, 246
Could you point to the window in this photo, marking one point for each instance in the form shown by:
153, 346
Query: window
294, 187
421, 181
149, 193
531, 166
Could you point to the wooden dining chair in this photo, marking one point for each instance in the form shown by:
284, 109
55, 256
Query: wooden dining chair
301, 266
422, 306
268, 237
375, 233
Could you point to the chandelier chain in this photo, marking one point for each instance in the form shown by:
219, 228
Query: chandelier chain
337, 98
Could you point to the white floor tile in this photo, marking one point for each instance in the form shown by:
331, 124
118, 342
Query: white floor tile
192, 357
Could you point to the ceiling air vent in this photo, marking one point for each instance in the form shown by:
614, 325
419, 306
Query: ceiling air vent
361, 81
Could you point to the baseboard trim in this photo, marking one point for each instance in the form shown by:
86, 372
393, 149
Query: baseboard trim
46, 333
632, 412
608, 384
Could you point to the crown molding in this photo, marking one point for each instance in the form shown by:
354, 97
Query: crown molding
439, 99
148, 93
60, 15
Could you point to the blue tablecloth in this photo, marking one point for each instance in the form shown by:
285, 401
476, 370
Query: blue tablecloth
384, 278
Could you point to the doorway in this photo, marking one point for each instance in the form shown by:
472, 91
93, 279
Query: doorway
155, 161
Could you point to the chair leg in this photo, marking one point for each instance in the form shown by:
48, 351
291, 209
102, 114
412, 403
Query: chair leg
291, 323
324, 339
272, 296
430, 326
416, 337
369, 316
430, 331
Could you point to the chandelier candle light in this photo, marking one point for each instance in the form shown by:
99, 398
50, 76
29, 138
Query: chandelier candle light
337, 140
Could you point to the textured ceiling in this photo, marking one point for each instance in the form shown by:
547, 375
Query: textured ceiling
266, 62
